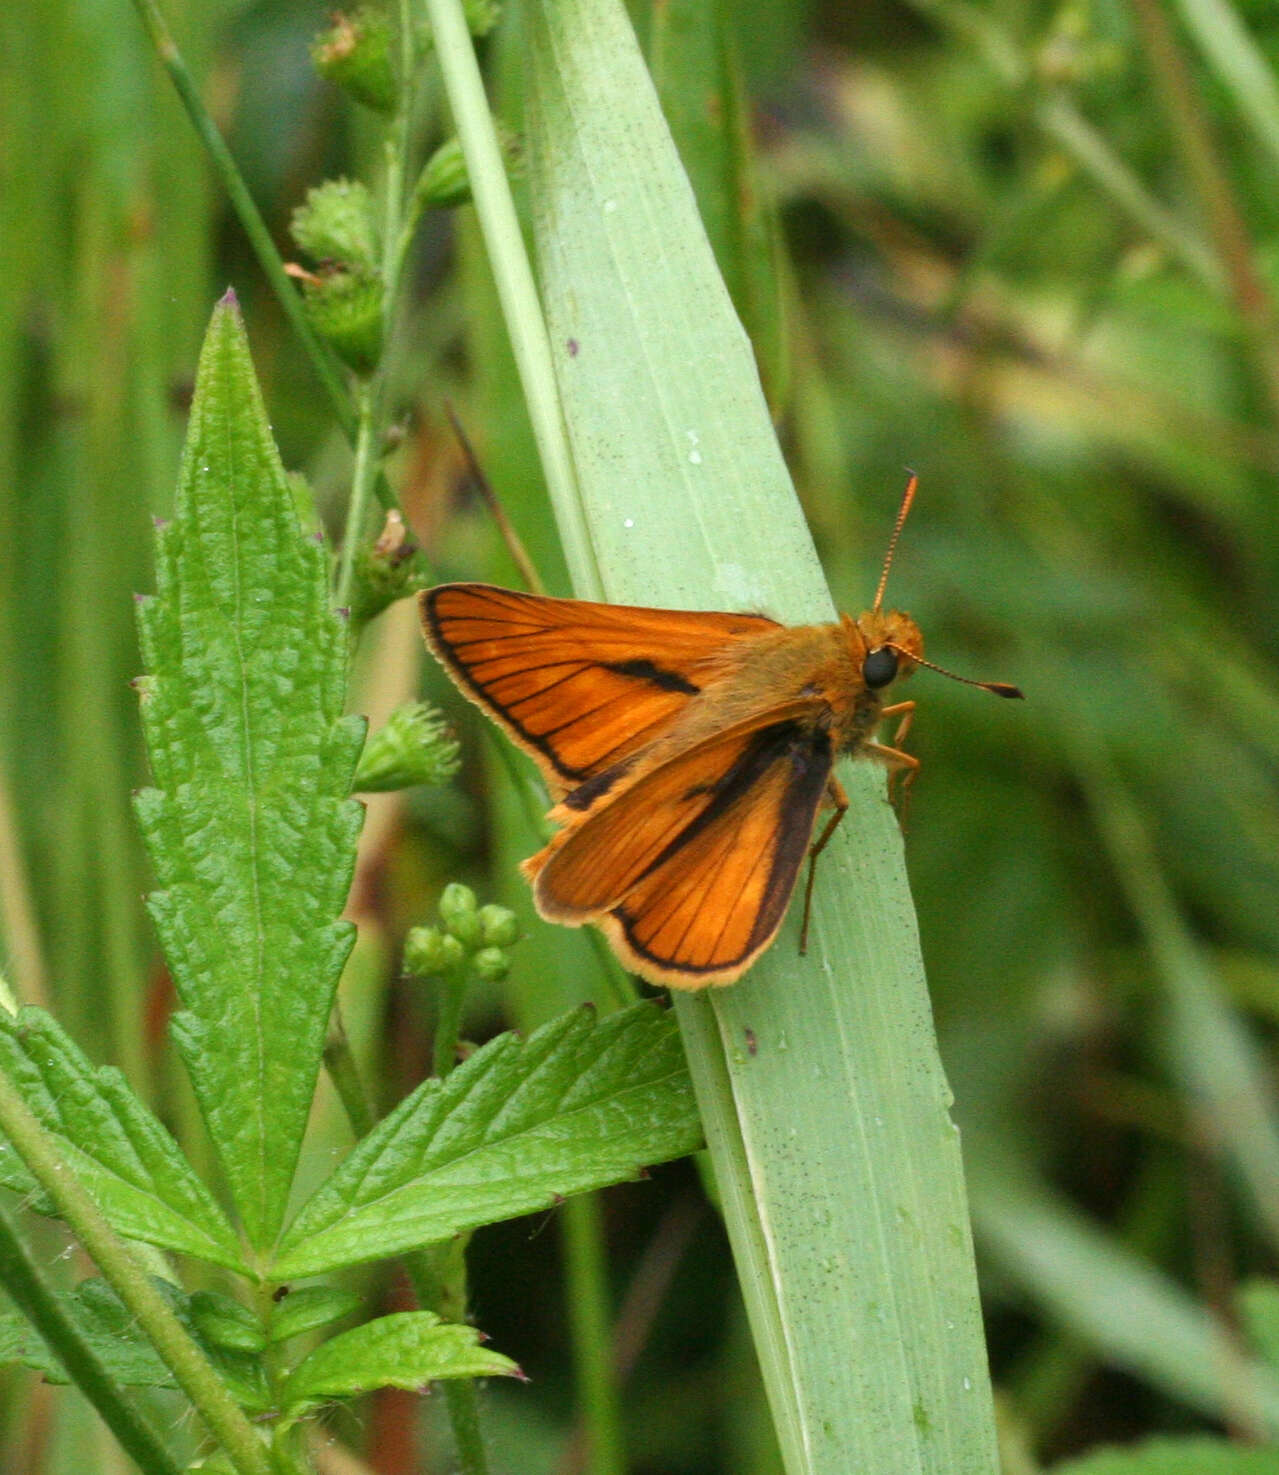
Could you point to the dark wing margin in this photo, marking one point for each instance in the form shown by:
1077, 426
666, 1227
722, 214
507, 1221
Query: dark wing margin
690, 869
582, 686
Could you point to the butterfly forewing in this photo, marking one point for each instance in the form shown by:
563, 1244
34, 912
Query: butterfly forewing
581, 685
690, 868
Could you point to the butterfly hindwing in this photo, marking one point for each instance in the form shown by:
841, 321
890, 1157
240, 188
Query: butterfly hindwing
690, 867
582, 686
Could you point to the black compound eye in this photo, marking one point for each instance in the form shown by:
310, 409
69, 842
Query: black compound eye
880, 667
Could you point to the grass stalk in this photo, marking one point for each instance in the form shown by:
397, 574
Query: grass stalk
362, 480
1217, 1061
322, 360
513, 276
1227, 229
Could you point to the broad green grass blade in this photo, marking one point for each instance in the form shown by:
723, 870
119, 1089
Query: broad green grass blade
824, 1101
250, 828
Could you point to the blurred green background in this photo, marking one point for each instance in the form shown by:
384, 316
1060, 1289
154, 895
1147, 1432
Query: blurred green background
1031, 251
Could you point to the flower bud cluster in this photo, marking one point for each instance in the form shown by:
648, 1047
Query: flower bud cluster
474, 937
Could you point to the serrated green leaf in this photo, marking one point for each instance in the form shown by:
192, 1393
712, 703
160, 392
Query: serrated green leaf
250, 828
109, 1327
126, 1353
119, 1151
310, 1307
578, 1105
407, 1349
1175, 1457
227, 1323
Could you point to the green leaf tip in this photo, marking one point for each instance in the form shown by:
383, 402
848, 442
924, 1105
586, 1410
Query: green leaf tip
407, 1349
249, 825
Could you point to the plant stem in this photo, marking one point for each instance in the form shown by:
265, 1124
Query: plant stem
19, 927
464, 1418
588, 1300
438, 1272
1092, 153
448, 1024
24, 1282
366, 469
184, 1359
255, 228
504, 243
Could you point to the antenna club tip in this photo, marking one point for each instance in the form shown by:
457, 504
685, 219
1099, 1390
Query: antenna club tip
1002, 689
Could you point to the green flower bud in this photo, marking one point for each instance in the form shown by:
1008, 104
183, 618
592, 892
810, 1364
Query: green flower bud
456, 900
384, 572
459, 915
355, 54
429, 952
346, 308
225, 1323
415, 747
338, 224
499, 926
443, 181
491, 964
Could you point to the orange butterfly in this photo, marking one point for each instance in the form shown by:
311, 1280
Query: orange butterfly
688, 754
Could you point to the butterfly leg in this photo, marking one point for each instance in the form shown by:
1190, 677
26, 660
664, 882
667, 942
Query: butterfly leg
902, 766
836, 797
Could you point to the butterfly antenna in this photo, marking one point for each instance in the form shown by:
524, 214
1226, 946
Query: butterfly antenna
1000, 688
907, 499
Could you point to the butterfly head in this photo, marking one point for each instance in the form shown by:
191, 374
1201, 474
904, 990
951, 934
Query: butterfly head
893, 646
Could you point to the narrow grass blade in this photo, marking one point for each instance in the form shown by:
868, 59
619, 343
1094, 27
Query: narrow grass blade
1240, 63
1127, 1309
1211, 1050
